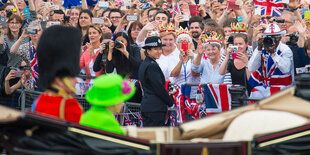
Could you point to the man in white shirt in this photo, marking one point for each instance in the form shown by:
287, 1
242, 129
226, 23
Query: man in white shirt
271, 64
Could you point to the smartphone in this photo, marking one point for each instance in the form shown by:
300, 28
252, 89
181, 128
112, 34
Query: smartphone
240, 19
32, 31
56, 7
301, 70
234, 52
97, 21
185, 46
26, 12
131, 17
103, 4
46, 4
55, 23
3, 21
231, 5
185, 18
19, 73
307, 14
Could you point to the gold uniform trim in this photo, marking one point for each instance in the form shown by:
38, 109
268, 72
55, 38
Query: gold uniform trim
284, 138
135, 145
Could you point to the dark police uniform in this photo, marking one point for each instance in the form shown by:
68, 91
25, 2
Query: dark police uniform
156, 99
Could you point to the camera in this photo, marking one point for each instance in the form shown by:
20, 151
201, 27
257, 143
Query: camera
269, 40
278, 20
230, 40
294, 37
32, 31
117, 44
66, 19
106, 45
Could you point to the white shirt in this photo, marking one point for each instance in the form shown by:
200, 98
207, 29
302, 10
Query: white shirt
167, 63
284, 61
208, 73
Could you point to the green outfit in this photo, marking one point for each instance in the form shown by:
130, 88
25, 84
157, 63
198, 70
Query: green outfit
101, 118
108, 90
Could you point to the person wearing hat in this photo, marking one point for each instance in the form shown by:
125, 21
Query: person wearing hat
58, 54
156, 99
104, 107
271, 64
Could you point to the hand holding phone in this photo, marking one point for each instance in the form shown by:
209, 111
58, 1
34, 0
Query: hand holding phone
131, 17
234, 52
3, 21
26, 13
32, 31
185, 46
19, 73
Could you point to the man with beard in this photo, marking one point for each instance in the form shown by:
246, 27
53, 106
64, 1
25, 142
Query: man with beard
196, 26
271, 64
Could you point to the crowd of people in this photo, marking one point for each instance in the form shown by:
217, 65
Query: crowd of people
199, 42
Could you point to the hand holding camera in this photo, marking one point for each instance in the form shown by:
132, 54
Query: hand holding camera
260, 44
111, 46
24, 34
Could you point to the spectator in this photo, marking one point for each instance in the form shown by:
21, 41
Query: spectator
101, 59
170, 53
151, 13
275, 54
162, 17
125, 59
93, 48
133, 32
182, 72
238, 66
196, 26
74, 15
208, 63
28, 50
288, 20
115, 15
14, 30
20, 76
83, 24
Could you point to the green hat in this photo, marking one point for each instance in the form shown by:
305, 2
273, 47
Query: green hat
110, 89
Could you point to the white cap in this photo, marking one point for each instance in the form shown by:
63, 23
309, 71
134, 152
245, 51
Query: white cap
273, 29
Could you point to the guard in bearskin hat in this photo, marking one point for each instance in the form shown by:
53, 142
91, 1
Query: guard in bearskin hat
58, 60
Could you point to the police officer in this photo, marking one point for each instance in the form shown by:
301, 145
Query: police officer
156, 99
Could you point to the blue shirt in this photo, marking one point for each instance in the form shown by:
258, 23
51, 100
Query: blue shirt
208, 73
302, 58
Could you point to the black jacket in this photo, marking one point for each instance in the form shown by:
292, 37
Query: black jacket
156, 97
125, 66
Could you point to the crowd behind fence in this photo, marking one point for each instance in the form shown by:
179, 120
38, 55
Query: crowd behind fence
23, 99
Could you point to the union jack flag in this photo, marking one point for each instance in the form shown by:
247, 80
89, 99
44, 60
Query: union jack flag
34, 65
128, 121
217, 98
140, 119
269, 7
176, 9
134, 81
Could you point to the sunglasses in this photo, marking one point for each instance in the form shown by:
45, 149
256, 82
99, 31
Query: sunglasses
24, 68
